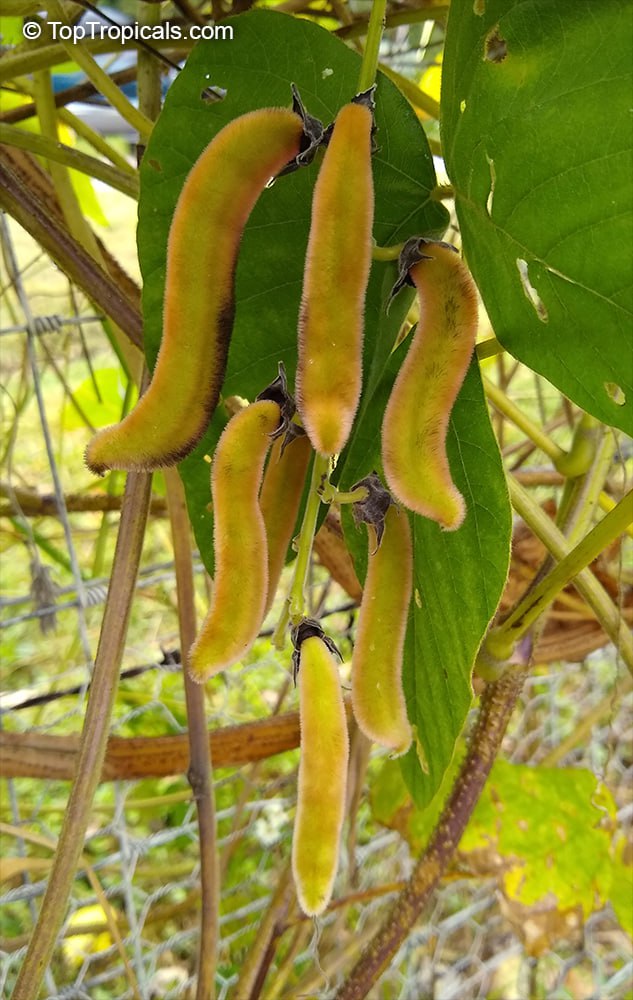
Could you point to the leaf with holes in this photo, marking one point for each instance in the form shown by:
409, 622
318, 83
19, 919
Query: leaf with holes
536, 113
256, 70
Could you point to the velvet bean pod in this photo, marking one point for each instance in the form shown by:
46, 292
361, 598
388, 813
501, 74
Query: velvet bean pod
212, 210
240, 585
322, 775
416, 419
280, 499
377, 696
338, 262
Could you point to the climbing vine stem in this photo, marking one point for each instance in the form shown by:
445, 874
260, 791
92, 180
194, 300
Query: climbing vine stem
497, 705
375, 29
297, 598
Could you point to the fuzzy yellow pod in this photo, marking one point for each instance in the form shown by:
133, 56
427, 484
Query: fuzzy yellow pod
212, 210
338, 261
279, 500
322, 778
416, 419
240, 585
377, 696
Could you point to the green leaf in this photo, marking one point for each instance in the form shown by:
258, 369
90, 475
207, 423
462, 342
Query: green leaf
104, 408
536, 100
81, 183
458, 576
392, 805
270, 51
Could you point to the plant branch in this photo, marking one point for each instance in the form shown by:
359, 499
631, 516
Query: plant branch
199, 773
297, 599
572, 565
79, 92
537, 436
94, 737
434, 12
23, 203
375, 28
531, 429
113, 94
60, 153
261, 952
497, 705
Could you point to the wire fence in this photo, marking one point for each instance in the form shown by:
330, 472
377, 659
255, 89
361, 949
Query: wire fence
132, 924
144, 865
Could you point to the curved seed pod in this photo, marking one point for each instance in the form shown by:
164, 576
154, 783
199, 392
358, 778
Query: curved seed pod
338, 262
279, 500
241, 555
377, 696
214, 205
322, 771
416, 419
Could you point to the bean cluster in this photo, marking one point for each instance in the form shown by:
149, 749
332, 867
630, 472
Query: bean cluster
261, 460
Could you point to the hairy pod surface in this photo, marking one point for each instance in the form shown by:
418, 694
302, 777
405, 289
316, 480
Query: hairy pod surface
240, 585
280, 499
338, 261
377, 696
212, 210
416, 419
322, 776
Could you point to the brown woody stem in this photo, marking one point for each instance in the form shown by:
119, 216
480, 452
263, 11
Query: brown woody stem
497, 704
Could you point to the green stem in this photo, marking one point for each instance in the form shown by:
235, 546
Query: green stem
510, 410
49, 143
581, 494
44, 55
330, 494
96, 141
522, 421
489, 348
572, 566
113, 94
375, 28
579, 459
127, 183
297, 599
436, 12
386, 253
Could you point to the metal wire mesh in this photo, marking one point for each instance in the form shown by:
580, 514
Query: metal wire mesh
141, 853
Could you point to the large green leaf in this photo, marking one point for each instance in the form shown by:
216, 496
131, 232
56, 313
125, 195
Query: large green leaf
536, 101
268, 52
458, 576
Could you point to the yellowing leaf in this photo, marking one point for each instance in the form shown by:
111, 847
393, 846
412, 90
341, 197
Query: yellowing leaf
76, 946
553, 828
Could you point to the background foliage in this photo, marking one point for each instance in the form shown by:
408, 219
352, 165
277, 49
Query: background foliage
534, 179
